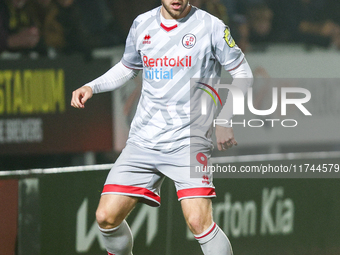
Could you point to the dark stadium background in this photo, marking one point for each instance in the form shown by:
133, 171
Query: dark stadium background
54, 159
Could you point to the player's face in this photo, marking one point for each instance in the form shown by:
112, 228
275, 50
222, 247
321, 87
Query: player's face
175, 9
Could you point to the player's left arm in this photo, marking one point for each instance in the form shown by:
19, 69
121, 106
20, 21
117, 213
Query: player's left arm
242, 78
233, 60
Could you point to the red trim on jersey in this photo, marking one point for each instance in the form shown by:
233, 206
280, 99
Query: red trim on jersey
213, 227
130, 69
110, 253
131, 190
196, 192
236, 66
168, 29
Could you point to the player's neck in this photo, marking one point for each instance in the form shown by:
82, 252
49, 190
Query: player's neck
169, 22
169, 16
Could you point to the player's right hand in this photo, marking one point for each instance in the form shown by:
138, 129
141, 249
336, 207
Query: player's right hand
80, 96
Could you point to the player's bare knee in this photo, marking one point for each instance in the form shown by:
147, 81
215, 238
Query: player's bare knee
196, 224
106, 220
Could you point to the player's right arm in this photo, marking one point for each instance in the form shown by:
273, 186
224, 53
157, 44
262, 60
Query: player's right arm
80, 96
112, 79
123, 71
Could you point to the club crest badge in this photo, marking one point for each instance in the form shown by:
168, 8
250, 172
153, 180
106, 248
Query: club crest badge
189, 41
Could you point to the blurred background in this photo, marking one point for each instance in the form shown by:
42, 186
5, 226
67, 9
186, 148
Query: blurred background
48, 48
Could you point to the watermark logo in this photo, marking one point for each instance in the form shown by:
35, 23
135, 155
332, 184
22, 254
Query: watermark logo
288, 96
204, 102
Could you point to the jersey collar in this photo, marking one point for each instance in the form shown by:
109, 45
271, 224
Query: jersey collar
180, 21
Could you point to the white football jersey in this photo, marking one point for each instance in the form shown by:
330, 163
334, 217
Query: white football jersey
197, 47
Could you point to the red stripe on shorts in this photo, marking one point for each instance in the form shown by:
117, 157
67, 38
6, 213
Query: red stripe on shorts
196, 192
131, 190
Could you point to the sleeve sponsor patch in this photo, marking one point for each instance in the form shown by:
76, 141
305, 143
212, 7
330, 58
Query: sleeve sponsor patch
228, 38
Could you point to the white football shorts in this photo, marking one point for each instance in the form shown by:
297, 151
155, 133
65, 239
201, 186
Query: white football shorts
139, 172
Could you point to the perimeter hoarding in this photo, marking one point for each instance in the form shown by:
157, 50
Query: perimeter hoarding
8, 216
261, 216
35, 112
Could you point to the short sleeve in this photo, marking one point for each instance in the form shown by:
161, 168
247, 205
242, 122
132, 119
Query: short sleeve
226, 50
131, 57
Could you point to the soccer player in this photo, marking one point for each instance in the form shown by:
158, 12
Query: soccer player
171, 44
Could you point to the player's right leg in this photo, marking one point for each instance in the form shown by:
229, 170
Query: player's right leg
132, 179
111, 213
113, 209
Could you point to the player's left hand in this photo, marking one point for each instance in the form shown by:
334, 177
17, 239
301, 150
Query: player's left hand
224, 137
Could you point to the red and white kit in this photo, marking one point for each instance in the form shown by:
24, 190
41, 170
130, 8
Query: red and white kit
197, 46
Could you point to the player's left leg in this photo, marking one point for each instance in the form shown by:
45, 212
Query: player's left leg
195, 190
198, 215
